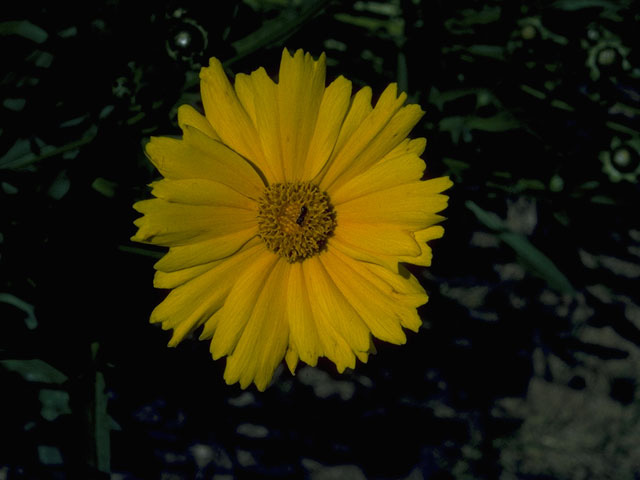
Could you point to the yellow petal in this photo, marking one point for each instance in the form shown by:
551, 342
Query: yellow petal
386, 239
262, 92
300, 91
291, 357
422, 237
229, 322
363, 356
389, 262
378, 133
359, 109
412, 321
405, 289
263, 341
189, 116
174, 279
246, 95
376, 307
226, 114
341, 329
206, 251
198, 156
171, 224
402, 165
193, 302
305, 338
408, 145
334, 346
198, 191
384, 141
411, 205
334, 106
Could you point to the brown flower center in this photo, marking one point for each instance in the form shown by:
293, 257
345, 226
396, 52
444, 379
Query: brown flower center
295, 220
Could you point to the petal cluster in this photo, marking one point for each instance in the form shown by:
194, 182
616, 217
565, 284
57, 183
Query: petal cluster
255, 307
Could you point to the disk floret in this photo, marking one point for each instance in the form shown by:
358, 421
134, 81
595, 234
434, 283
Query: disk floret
295, 220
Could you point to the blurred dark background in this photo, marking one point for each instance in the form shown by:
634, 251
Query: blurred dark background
528, 365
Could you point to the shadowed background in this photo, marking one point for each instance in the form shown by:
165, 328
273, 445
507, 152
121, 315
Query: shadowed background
528, 363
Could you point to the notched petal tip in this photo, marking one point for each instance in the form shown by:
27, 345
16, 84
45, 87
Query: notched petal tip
446, 182
299, 55
291, 358
214, 65
190, 117
139, 238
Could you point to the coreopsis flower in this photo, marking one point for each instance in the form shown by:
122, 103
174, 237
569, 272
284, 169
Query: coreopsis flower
289, 209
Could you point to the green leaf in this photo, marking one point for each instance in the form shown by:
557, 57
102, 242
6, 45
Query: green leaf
455, 167
23, 28
488, 219
471, 18
60, 186
54, 403
455, 125
30, 320
603, 200
500, 122
524, 184
277, 30
479, 17
530, 256
50, 455
21, 156
18, 155
490, 51
460, 126
572, 5
102, 426
562, 105
104, 187
14, 104
537, 262
439, 98
533, 92
621, 128
35, 370
141, 251
99, 421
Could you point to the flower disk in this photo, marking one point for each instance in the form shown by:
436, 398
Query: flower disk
295, 220
289, 210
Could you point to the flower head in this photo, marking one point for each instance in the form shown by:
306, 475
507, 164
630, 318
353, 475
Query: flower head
288, 210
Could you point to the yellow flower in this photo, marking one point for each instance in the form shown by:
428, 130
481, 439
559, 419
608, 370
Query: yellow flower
288, 209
